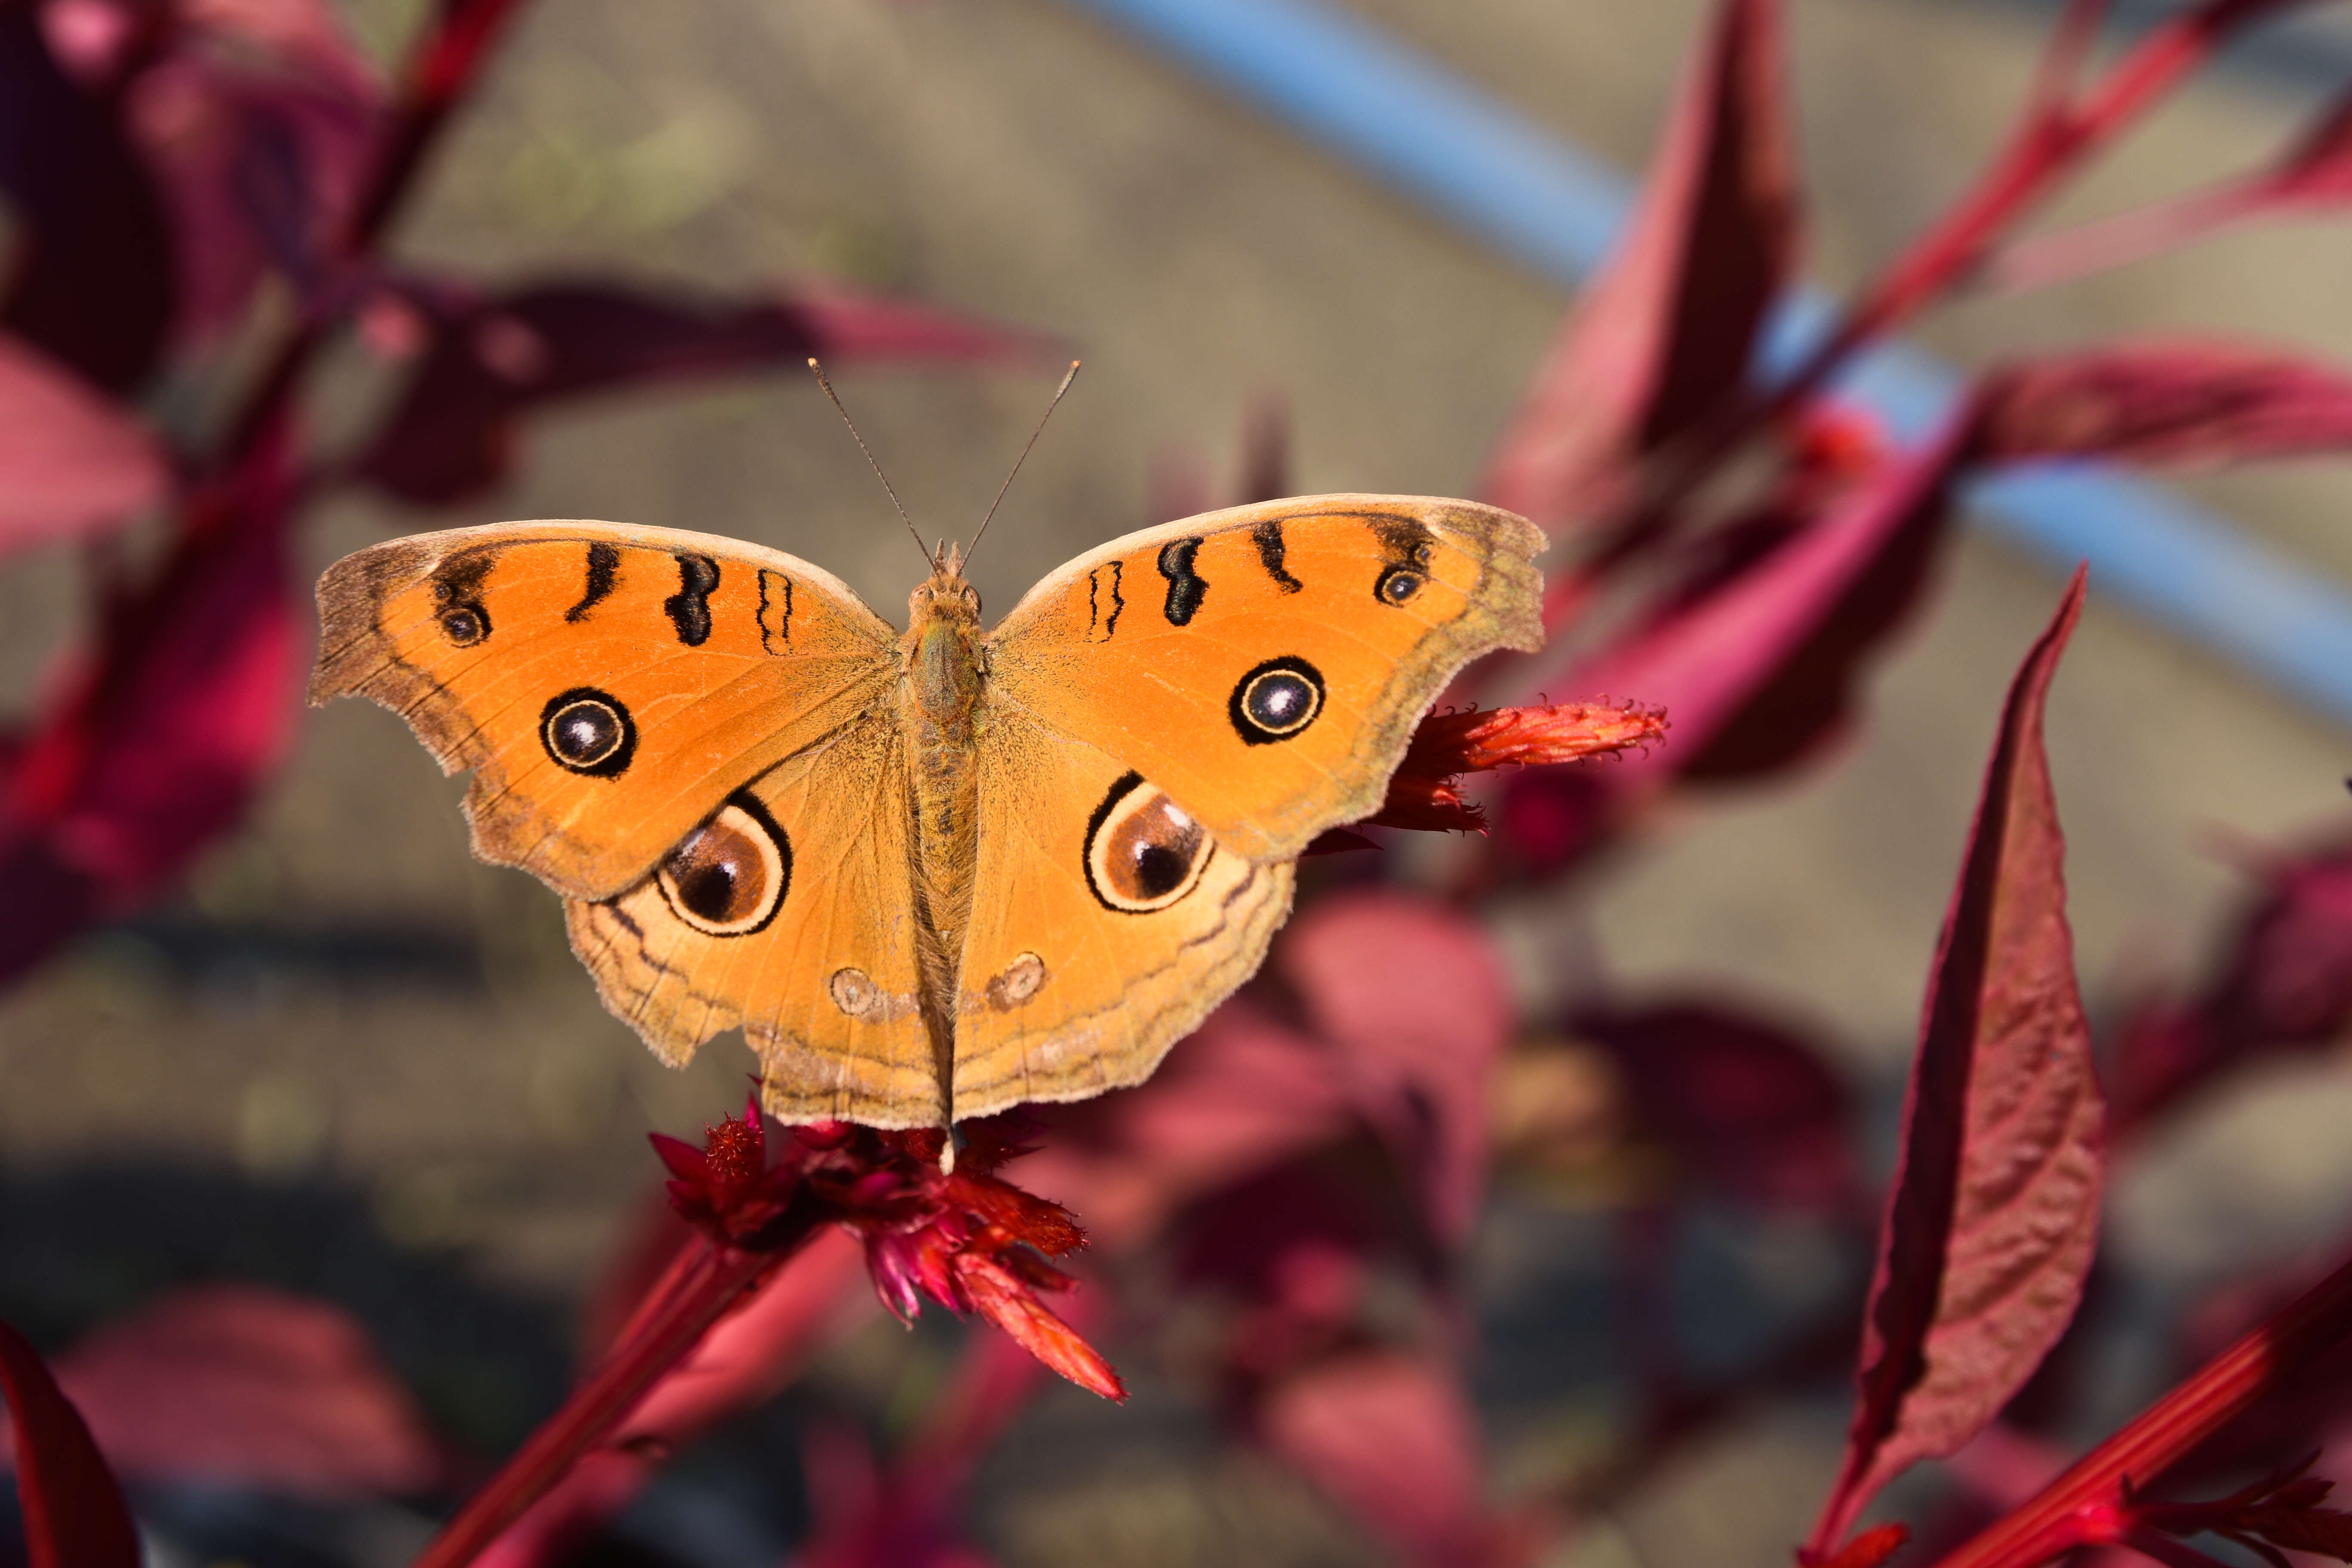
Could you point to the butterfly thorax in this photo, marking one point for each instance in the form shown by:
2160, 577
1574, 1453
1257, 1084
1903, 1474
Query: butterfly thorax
939, 696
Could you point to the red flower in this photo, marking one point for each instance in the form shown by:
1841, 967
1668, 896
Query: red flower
1423, 795
966, 1238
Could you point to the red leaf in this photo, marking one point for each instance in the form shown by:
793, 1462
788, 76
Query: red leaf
1758, 672
1994, 1214
1417, 1010
1747, 1104
162, 733
72, 462
237, 1384
451, 434
1392, 1438
89, 280
74, 1512
2165, 403
1665, 334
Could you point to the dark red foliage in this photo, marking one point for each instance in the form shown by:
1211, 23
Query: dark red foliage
2284, 984
1749, 1108
157, 738
450, 434
1994, 1213
74, 1513
91, 283
2164, 403
1664, 336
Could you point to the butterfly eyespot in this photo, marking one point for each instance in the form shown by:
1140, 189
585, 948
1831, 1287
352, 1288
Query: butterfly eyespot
1143, 853
1276, 700
728, 877
1021, 979
1397, 585
854, 993
465, 626
588, 731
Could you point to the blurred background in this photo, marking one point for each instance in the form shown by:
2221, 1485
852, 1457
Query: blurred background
350, 1061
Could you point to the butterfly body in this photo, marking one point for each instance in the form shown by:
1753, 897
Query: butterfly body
932, 873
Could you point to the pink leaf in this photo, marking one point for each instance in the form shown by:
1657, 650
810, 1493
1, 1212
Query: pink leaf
72, 462
2165, 403
163, 732
89, 280
1417, 1011
74, 1512
241, 1385
1990, 1227
1664, 336
451, 434
1392, 1438
1749, 1106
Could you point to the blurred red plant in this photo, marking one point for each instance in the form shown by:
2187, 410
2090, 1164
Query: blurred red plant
1739, 548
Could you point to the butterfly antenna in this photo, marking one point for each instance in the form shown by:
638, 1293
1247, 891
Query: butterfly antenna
862, 446
1023, 457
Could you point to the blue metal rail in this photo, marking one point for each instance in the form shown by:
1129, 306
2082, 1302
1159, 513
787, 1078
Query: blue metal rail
1443, 142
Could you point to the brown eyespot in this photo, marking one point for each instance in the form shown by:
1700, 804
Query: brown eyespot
728, 876
1399, 583
1143, 853
588, 731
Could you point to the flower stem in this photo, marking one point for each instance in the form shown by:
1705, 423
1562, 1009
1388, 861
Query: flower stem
712, 1284
2081, 1505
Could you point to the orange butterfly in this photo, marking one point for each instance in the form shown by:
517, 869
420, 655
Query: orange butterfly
936, 874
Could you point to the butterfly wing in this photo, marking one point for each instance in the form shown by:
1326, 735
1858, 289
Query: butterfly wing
608, 685
692, 738
1171, 720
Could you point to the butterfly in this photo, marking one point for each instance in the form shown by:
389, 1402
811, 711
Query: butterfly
938, 873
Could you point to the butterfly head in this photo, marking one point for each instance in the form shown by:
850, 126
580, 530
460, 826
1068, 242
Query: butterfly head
945, 594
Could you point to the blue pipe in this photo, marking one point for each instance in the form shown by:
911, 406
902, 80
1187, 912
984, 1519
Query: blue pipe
1516, 186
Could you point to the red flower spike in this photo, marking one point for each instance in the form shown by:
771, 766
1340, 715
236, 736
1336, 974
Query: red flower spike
1868, 1549
1010, 1301
1422, 794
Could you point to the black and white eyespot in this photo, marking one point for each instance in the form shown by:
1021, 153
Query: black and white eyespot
728, 877
588, 731
1143, 853
466, 625
1276, 700
1399, 583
